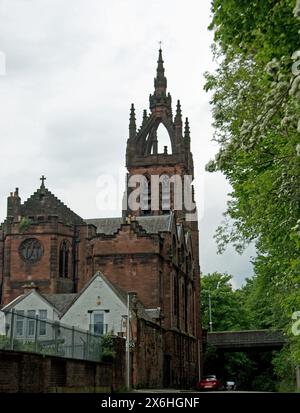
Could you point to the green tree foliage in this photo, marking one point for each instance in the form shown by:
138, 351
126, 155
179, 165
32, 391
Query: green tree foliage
24, 224
242, 309
256, 110
227, 311
107, 346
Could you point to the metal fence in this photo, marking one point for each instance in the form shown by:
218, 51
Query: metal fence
36, 334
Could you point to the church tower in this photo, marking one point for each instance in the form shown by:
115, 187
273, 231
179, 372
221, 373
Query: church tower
160, 183
160, 175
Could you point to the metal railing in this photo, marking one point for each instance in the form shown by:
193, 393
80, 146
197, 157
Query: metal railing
21, 332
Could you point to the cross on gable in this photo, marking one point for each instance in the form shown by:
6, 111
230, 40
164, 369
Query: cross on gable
43, 179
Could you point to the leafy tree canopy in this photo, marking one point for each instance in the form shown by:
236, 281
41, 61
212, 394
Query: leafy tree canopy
256, 110
227, 311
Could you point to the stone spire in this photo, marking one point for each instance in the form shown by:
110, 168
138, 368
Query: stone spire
187, 136
132, 122
160, 82
144, 154
160, 96
145, 117
178, 118
178, 121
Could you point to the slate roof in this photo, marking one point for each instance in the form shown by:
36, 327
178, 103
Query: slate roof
155, 224
43, 202
107, 226
60, 301
151, 224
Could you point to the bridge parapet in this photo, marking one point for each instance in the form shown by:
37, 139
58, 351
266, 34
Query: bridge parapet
248, 339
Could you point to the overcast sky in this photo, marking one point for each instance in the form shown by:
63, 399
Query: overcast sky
73, 68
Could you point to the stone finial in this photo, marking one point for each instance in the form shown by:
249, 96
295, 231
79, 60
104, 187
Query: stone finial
160, 82
132, 122
145, 117
178, 117
187, 136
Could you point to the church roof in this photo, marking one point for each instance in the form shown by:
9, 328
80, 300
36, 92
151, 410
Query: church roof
151, 224
43, 202
155, 224
107, 226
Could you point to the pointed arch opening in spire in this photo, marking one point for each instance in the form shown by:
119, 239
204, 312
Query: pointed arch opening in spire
163, 140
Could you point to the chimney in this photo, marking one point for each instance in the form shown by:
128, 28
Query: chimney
14, 205
29, 287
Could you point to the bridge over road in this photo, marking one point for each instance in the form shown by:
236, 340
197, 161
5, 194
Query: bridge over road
246, 340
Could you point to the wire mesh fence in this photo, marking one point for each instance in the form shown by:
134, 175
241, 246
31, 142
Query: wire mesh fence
36, 334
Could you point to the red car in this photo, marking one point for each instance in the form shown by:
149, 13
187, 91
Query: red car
210, 383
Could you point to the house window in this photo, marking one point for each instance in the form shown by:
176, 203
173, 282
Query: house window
42, 324
98, 325
31, 322
20, 323
64, 255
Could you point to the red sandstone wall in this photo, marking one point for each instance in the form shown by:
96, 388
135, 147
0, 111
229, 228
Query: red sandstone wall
45, 272
130, 261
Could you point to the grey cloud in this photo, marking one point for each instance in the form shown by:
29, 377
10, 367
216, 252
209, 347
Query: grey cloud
74, 67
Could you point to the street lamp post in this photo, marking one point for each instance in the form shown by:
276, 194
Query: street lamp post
128, 344
209, 309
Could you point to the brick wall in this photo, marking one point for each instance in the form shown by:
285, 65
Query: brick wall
148, 355
35, 373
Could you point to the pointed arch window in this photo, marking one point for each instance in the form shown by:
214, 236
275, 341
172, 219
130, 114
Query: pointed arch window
146, 196
174, 250
189, 265
165, 194
64, 259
